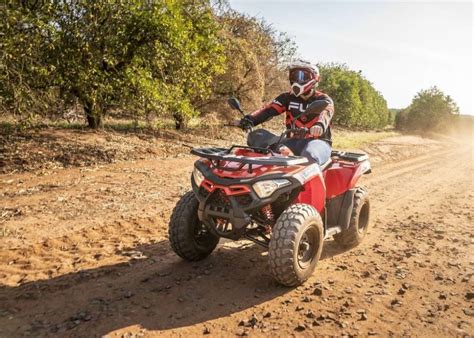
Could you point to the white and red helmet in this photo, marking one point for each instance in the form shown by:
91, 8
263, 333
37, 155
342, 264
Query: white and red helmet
303, 77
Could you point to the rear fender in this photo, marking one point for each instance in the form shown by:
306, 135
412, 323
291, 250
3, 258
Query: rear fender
343, 176
362, 168
339, 210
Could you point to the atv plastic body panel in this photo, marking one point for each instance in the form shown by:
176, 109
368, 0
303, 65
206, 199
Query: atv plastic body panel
228, 205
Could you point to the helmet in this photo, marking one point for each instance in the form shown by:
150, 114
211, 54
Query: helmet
303, 77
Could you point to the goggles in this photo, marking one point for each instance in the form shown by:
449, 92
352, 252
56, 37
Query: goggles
301, 76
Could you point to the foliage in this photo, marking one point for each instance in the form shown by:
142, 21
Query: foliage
158, 56
357, 102
25, 42
175, 59
255, 53
430, 109
393, 112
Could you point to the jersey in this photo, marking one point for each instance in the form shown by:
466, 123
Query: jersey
293, 107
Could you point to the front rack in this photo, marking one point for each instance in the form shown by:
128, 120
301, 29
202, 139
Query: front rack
223, 154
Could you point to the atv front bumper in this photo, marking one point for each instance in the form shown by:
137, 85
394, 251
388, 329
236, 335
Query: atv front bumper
228, 215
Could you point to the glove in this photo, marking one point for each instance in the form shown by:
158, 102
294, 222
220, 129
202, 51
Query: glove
285, 151
316, 130
299, 133
246, 123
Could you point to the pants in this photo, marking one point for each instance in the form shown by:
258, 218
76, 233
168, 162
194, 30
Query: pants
318, 151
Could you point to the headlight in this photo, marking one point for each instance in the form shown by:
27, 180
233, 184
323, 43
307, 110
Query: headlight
266, 188
198, 177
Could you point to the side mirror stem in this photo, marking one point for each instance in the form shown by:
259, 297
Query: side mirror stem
234, 103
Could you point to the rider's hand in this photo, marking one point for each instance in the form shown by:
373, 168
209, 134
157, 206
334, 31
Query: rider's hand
316, 131
285, 151
245, 123
299, 133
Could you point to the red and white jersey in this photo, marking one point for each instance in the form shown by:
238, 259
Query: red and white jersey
293, 106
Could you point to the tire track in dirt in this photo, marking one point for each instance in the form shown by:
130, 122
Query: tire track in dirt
77, 235
388, 171
417, 207
137, 285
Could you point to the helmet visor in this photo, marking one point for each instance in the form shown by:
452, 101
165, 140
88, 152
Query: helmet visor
300, 76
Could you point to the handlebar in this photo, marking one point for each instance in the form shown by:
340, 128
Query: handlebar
234, 126
316, 107
295, 130
298, 132
285, 133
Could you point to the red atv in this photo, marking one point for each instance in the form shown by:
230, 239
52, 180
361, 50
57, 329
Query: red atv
284, 203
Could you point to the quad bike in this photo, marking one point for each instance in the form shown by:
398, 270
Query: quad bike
284, 203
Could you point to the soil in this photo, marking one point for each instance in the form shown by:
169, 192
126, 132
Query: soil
84, 249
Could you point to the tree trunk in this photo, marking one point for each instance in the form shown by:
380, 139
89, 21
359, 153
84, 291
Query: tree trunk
178, 121
94, 121
93, 116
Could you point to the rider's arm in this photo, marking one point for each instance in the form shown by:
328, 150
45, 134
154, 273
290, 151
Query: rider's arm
324, 119
270, 110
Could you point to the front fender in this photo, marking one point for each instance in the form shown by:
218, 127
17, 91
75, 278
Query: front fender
314, 189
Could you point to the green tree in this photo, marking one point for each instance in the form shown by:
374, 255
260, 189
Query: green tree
393, 112
430, 109
139, 56
357, 102
25, 41
255, 55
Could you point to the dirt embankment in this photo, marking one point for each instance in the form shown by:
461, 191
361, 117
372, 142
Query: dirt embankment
47, 149
84, 252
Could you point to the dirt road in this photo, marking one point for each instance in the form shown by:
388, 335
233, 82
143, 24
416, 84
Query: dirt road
84, 252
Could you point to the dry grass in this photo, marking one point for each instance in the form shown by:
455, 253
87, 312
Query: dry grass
346, 139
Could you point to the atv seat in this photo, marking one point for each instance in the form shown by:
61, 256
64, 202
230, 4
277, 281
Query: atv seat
262, 138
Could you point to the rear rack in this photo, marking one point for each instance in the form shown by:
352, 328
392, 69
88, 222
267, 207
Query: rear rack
348, 156
223, 154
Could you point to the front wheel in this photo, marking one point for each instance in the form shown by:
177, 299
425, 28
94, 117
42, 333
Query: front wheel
359, 222
189, 237
296, 244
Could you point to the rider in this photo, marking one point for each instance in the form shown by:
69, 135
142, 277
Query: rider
316, 143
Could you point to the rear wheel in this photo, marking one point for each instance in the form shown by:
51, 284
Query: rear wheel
296, 244
359, 222
189, 237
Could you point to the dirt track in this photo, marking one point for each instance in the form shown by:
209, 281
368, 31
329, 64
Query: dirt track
84, 253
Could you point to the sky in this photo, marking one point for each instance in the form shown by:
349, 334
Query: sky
401, 47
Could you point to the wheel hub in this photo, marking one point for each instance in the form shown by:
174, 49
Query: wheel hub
306, 248
201, 234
